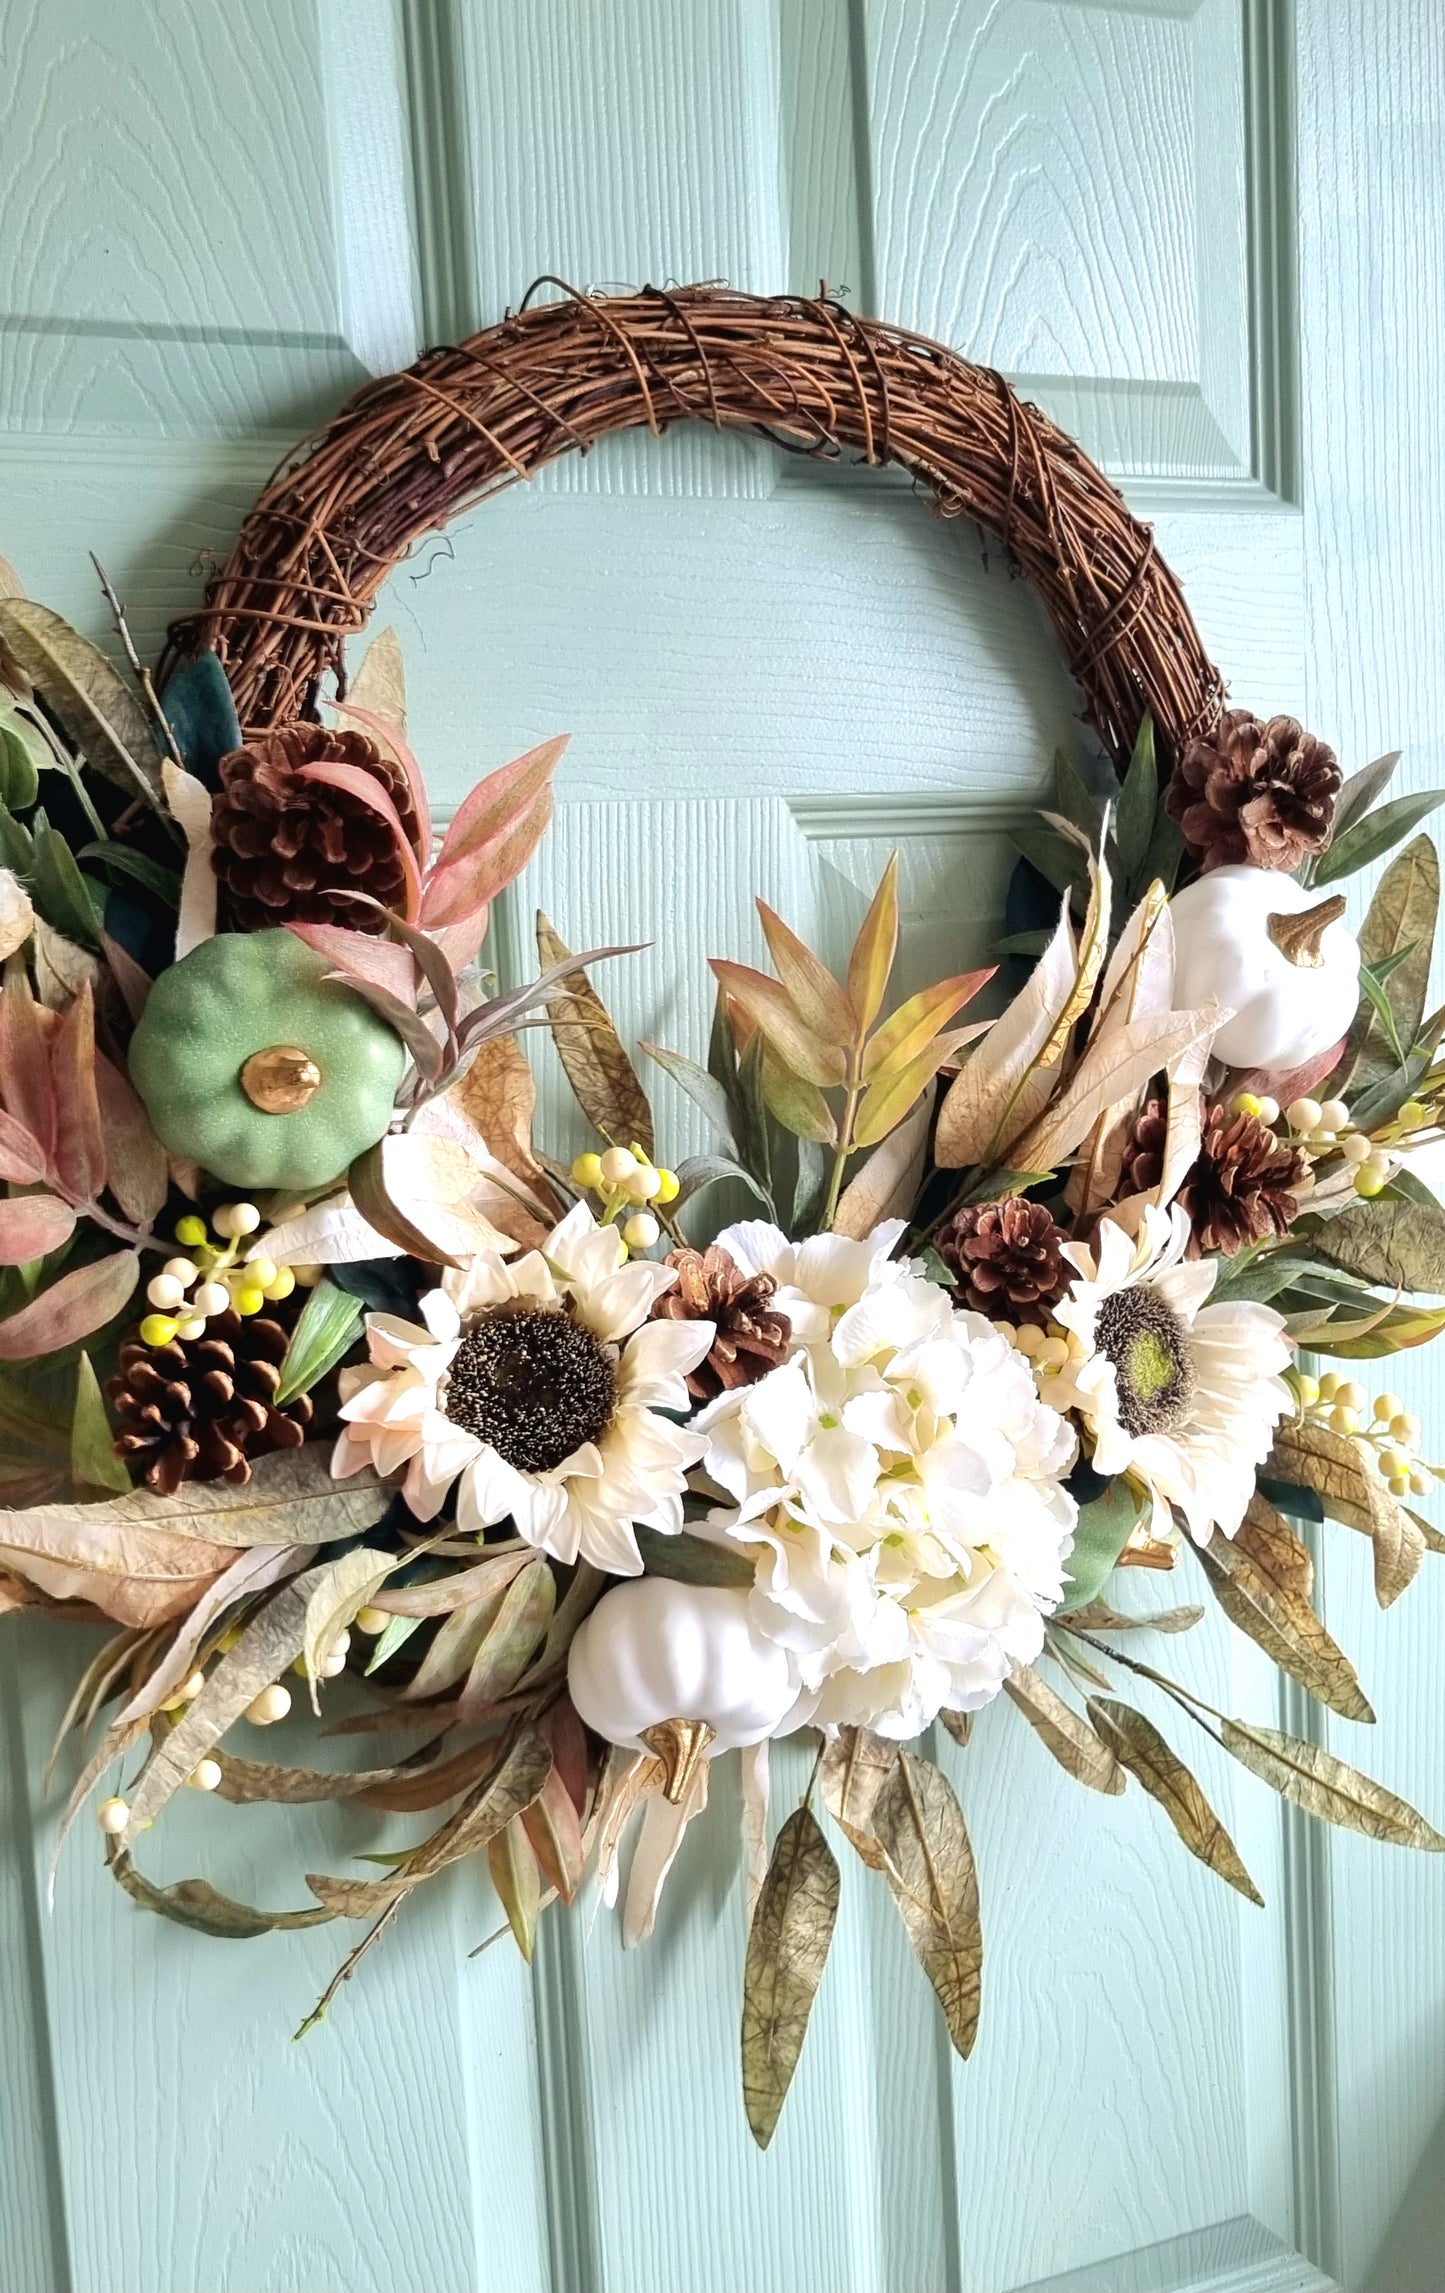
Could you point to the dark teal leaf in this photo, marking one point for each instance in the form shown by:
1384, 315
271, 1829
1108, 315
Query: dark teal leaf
1378, 833
202, 715
1362, 790
17, 846
703, 1089
1166, 850
120, 860
692, 1560
59, 890
702, 1170
19, 771
1304, 1504
1138, 803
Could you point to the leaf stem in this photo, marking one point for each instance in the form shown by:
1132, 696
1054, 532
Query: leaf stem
350, 1964
844, 1147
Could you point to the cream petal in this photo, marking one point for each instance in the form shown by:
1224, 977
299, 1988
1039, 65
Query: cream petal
619, 1304
487, 1491
759, 1248
609, 1544
1185, 1287
441, 1316
545, 1520
656, 1359
778, 1412
836, 1474
391, 1342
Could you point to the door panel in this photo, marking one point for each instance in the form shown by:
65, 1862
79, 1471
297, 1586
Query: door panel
773, 674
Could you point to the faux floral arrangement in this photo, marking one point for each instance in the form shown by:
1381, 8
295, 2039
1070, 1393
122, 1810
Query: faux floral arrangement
316, 1369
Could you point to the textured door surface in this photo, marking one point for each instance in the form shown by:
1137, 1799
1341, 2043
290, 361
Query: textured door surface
1207, 236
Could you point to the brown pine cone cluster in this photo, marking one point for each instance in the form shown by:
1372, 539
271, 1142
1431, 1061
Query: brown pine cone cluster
1244, 1185
287, 849
1143, 1164
1261, 792
752, 1336
199, 1409
1005, 1258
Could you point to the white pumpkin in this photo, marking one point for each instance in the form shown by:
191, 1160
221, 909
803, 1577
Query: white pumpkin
653, 1650
1277, 954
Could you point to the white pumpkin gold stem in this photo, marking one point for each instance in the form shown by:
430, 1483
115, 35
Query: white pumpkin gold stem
1298, 936
679, 1744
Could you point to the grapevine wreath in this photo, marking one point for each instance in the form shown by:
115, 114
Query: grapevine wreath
335, 1394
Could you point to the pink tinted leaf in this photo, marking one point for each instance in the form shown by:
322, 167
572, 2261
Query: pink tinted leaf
134, 984
433, 965
71, 1308
25, 1085
80, 1160
32, 1224
363, 956
389, 737
138, 1176
495, 802
353, 780
22, 1158
461, 886
461, 942
409, 1023
1298, 1082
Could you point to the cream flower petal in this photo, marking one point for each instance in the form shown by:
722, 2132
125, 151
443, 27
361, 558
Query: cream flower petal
836, 1473
620, 1303
778, 1413
656, 1360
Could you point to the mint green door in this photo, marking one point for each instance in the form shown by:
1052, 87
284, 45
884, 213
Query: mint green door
1207, 234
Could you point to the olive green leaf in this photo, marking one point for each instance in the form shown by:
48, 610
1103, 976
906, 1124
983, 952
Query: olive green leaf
1361, 790
1399, 931
692, 1560
1399, 1245
93, 1461
1281, 1622
1136, 809
338, 1590
512, 1638
870, 964
517, 1878
1344, 1476
1060, 1729
1097, 1616
1328, 1788
788, 1941
196, 1903
919, 1824
326, 1330
510, 1789
100, 714
603, 1078
1137, 1744
1369, 839
1104, 1527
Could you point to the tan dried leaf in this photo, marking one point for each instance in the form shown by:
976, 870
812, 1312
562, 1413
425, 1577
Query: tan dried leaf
1097, 1616
853, 1769
1275, 1550
887, 1185
517, 1879
512, 1639
919, 1824
1003, 1086
1281, 1622
1137, 1744
1063, 1732
664, 1822
605, 1082
498, 1093
788, 1943
1342, 1472
1113, 1069
484, 1812
1328, 1788
380, 680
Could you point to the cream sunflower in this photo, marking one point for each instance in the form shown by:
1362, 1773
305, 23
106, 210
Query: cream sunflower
1181, 1395
536, 1387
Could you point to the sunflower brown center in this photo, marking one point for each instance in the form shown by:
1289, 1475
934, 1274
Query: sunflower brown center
1149, 1347
533, 1384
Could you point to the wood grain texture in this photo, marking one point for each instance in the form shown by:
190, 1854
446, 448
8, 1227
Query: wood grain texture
34, 2255
205, 214
1372, 312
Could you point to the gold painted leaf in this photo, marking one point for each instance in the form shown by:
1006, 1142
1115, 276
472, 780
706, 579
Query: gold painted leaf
517, 1878
853, 1769
871, 961
102, 717
606, 1083
1138, 1745
919, 1824
1342, 1472
1060, 1729
1280, 1620
498, 1094
1097, 1616
1328, 1788
1396, 1245
1401, 923
1272, 1545
1003, 1086
788, 1941
482, 1814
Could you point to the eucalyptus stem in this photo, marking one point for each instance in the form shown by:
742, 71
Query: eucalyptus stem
842, 1151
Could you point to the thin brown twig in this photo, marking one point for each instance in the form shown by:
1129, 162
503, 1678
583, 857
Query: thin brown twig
138, 668
349, 1965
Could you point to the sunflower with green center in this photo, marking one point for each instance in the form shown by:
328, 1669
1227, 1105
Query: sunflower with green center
1181, 1395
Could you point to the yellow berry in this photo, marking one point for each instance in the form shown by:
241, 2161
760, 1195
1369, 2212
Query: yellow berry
1352, 1395
1344, 1419
668, 1186
112, 1815
281, 1286
1387, 1406
1414, 1115
158, 1329
371, 1621
1051, 1353
618, 1165
1329, 1385
249, 1301
1303, 1115
261, 1272
1394, 1462
1007, 1332
190, 1231
1399, 1485
1370, 1181
1406, 1429
587, 1171
307, 1277
1245, 1103
187, 1692
1028, 1337
1307, 1387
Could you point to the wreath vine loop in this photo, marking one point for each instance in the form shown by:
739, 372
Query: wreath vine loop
410, 451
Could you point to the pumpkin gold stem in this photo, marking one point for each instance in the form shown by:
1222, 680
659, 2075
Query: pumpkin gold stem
679, 1744
1298, 936
280, 1080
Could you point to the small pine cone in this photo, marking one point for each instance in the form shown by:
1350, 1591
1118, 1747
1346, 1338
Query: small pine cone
1244, 1185
1143, 1164
199, 1409
752, 1336
289, 849
1005, 1259
1261, 792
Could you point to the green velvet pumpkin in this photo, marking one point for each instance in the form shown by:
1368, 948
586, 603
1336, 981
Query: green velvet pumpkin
232, 999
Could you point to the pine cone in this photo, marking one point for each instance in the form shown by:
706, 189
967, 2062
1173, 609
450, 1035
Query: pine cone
1143, 1164
752, 1336
287, 849
199, 1408
1258, 792
1005, 1260
1244, 1185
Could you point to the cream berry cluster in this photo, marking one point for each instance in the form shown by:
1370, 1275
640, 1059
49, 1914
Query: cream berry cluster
190, 1291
